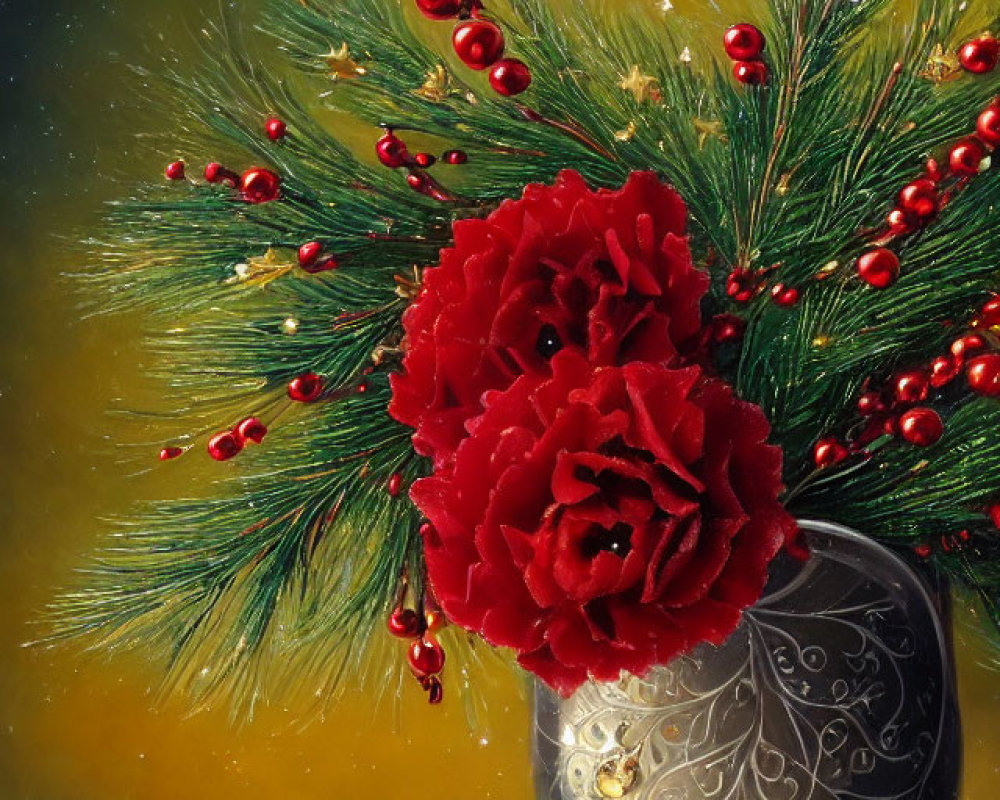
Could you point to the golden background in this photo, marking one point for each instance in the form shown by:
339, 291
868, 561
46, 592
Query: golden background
82, 728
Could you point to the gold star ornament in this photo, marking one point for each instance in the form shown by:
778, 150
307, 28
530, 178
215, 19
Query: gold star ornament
941, 67
643, 87
261, 270
341, 65
437, 86
708, 129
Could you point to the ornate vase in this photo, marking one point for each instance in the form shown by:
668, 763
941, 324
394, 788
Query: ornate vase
839, 683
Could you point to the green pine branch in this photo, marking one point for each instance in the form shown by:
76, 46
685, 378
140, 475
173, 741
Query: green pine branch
297, 557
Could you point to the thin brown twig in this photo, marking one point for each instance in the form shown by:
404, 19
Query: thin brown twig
571, 130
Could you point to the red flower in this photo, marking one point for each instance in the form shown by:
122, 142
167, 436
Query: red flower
605, 274
600, 519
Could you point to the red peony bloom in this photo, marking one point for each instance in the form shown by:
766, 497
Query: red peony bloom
599, 519
605, 274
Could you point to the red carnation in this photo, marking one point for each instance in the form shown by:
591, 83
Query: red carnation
600, 519
606, 274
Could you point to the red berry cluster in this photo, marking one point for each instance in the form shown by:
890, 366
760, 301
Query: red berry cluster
949, 542
313, 260
744, 44
256, 185
957, 541
425, 655
743, 284
894, 409
920, 201
393, 153
226, 444
480, 44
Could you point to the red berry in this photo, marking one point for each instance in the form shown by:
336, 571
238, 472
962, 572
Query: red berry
901, 222
426, 657
989, 314
259, 185
911, 387
418, 182
309, 253
425, 160
743, 42
394, 485
874, 428
216, 173
223, 446
168, 453
933, 170
252, 430
921, 426
435, 691
988, 126
967, 345
994, 514
878, 267
980, 55
966, 156
305, 388
404, 623
727, 328
983, 374
784, 296
276, 129
944, 369
175, 171
828, 452
870, 403
740, 285
455, 157
478, 42
439, 9
750, 73
510, 76
323, 265
920, 199
922, 550
392, 151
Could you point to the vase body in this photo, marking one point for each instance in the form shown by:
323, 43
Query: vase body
838, 684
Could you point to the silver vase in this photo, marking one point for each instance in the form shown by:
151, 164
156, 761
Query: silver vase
838, 684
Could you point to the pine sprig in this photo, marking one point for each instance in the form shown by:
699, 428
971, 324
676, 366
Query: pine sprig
206, 579
286, 570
